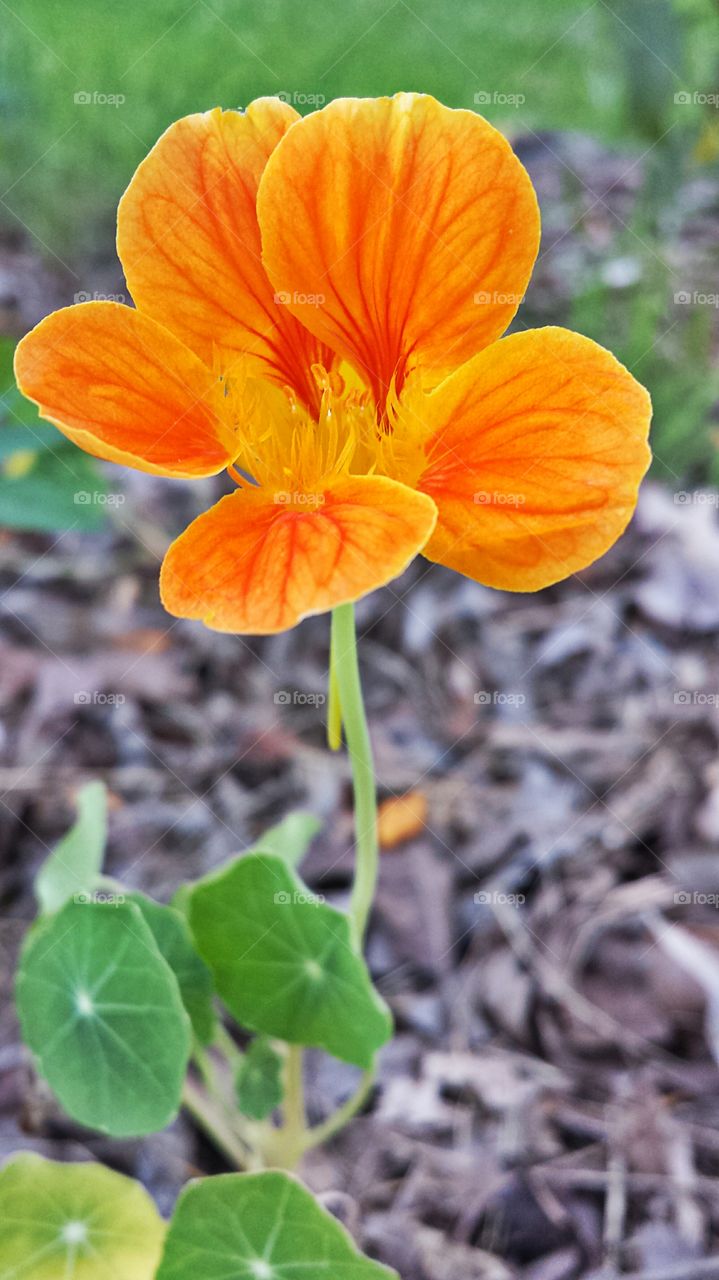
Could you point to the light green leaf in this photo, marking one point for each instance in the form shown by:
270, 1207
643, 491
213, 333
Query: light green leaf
75, 1222
283, 961
259, 1226
289, 839
259, 1080
74, 866
172, 935
101, 1010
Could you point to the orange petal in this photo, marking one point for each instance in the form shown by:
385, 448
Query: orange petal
188, 239
259, 561
538, 446
123, 388
413, 225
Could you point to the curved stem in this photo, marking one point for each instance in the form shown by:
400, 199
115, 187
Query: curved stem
210, 1117
346, 666
332, 1125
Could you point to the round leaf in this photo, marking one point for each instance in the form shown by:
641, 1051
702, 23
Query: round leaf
75, 1222
172, 935
259, 1226
101, 1010
284, 963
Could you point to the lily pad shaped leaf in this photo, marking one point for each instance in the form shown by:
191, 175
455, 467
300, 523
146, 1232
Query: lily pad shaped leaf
101, 1011
259, 1226
283, 961
74, 866
172, 935
75, 1222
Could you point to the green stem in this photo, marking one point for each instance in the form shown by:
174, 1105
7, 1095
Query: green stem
334, 710
210, 1117
289, 1141
346, 666
332, 1125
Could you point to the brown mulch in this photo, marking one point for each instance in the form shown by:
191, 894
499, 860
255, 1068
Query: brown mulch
548, 940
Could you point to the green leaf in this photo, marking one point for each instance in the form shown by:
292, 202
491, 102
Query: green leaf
45, 481
74, 866
61, 489
75, 1222
259, 1226
284, 963
289, 839
259, 1080
101, 1011
172, 935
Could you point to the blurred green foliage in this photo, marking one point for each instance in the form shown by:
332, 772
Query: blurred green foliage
576, 65
45, 482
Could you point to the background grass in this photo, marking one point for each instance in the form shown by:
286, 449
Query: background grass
607, 68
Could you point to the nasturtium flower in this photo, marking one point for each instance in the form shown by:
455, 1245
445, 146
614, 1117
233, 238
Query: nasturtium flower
319, 308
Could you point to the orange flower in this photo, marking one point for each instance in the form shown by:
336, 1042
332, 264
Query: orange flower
319, 308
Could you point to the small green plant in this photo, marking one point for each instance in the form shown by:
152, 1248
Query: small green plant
132, 1009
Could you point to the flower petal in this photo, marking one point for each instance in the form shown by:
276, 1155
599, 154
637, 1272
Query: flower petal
403, 231
538, 446
123, 388
188, 239
259, 561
